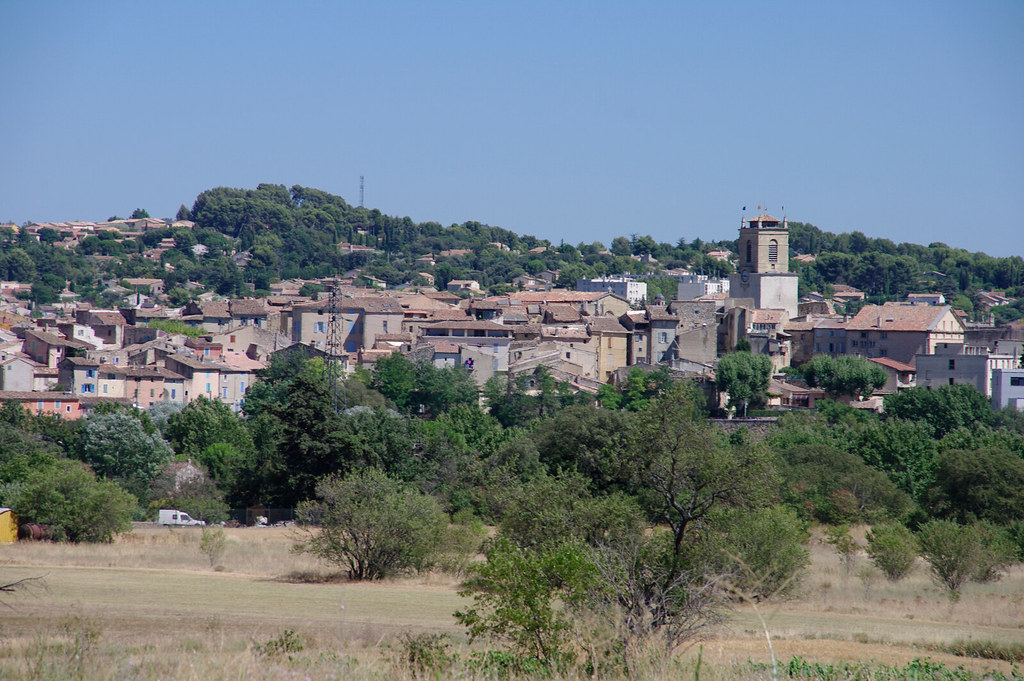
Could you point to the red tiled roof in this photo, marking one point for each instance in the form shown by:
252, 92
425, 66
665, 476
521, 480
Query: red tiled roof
893, 364
897, 317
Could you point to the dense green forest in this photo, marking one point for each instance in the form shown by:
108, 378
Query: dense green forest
292, 233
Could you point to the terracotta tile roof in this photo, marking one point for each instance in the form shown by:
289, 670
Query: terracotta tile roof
469, 325
57, 341
660, 314
554, 333
564, 314
34, 395
605, 325
215, 310
86, 401
521, 330
130, 371
247, 307
831, 323
893, 364
897, 317
194, 362
486, 304
759, 316
238, 361
515, 317
107, 318
82, 361
447, 348
394, 337
554, 296
449, 315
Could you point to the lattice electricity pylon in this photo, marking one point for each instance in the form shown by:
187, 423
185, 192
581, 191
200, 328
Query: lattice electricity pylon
334, 350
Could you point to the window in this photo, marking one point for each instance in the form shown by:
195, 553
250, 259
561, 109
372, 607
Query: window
663, 337
88, 388
207, 387
1017, 380
104, 388
385, 327
174, 393
319, 327
241, 387
232, 339
748, 251
224, 393
152, 393
951, 380
90, 373
773, 251
39, 405
206, 352
57, 404
952, 365
116, 359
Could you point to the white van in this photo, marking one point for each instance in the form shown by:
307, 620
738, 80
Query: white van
171, 517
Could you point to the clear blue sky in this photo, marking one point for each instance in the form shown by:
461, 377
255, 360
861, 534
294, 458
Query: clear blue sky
568, 120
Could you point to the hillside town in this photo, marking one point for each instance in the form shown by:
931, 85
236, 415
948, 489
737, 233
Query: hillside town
68, 357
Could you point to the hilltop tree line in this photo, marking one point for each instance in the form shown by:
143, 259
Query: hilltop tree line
292, 233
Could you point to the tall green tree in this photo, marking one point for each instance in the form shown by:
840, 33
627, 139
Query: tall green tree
118, 446
844, 375
745, 377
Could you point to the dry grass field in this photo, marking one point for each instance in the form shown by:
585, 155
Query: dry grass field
150, 607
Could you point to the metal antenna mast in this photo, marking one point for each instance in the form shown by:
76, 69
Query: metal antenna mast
360, 191
334, 349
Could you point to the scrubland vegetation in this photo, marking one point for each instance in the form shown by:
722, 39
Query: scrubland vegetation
149, 606
546, 535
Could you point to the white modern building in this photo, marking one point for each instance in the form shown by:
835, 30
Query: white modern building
1008, 388
693, 286
625, 287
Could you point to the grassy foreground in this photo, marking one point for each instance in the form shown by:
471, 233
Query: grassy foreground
150, 607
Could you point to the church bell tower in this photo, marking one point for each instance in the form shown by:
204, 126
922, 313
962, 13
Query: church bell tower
763, 271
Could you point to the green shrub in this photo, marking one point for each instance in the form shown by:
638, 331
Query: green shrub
372, 525
74, 506
893, 549
952, 553
287, 643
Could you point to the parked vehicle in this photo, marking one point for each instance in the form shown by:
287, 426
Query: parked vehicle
172, 517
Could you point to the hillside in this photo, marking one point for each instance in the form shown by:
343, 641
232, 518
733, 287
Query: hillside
236, 241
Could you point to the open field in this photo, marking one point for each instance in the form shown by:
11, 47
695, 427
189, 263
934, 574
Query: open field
151, 607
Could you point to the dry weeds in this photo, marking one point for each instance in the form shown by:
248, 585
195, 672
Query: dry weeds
150, 607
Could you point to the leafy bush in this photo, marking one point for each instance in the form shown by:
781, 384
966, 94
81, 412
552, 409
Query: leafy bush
73, 505
372, 525
427, 654
213, 544
957, 554
287, 643
893, 549
765, 550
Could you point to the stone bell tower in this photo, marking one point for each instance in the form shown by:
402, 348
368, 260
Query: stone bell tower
763, 271
764, 245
